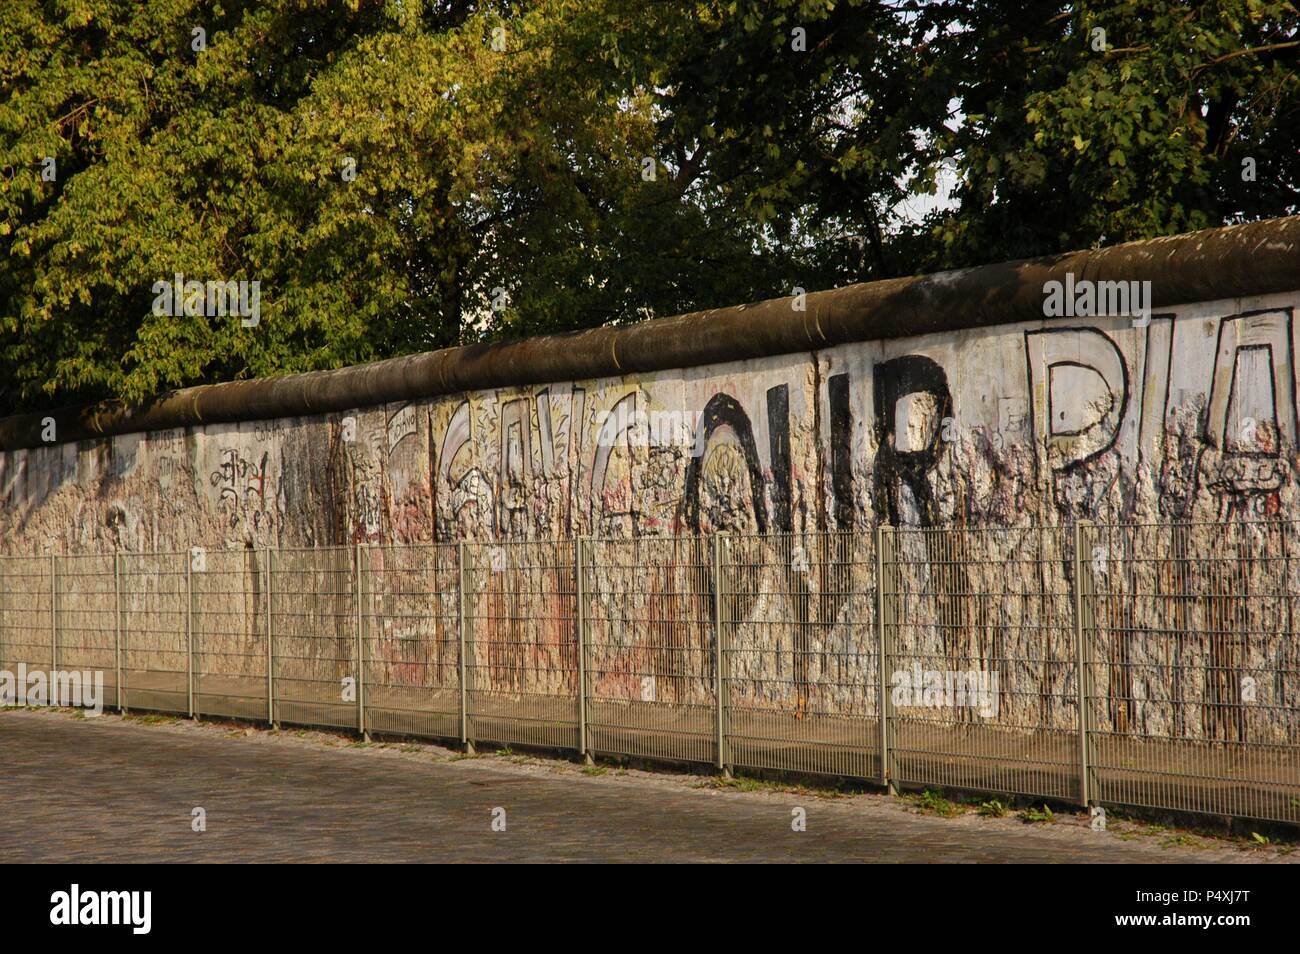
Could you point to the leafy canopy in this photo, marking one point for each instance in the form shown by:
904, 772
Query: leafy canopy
530, 167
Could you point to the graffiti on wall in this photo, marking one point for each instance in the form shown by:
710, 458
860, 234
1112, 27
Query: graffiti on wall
1193, 416
1190, 416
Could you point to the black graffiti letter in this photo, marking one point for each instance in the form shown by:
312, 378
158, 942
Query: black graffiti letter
895, 380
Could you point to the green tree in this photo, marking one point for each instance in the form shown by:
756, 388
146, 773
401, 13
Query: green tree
1093, 123
218, 156
502, 155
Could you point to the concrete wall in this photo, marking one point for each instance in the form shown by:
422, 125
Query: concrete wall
1190, 417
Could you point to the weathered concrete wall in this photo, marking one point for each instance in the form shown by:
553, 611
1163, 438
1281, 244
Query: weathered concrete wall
1188, 416
1191, 417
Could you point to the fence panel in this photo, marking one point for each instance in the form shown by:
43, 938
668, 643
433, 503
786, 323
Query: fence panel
412, 640
86, 604
521, 671
800, 654
228, 600
983, 662
155, 648
1185, 637
25, 608
315, 625
648, 611
1194, 700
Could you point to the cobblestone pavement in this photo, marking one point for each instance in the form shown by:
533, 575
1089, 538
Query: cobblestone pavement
114, 789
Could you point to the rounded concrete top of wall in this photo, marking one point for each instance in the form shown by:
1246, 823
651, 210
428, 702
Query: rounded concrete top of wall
1228, 262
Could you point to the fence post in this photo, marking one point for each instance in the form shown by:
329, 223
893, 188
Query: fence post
579, 566
720, 658
54, 622
464, 646
269, 564
882, 653
1081, 662
189, 633
361, 650
117, 627
123, 669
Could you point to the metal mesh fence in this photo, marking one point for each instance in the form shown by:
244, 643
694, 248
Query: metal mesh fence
801, 654
87, 625
316, 627
228, 633
1193, 668
651, 668
521, 666
26, 608
154, 630
411, 626
982, 659
774, 651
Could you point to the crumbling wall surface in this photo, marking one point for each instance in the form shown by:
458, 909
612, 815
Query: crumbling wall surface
1191, 416
1186, 417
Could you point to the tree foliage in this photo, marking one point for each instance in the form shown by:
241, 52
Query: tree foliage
531, 167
